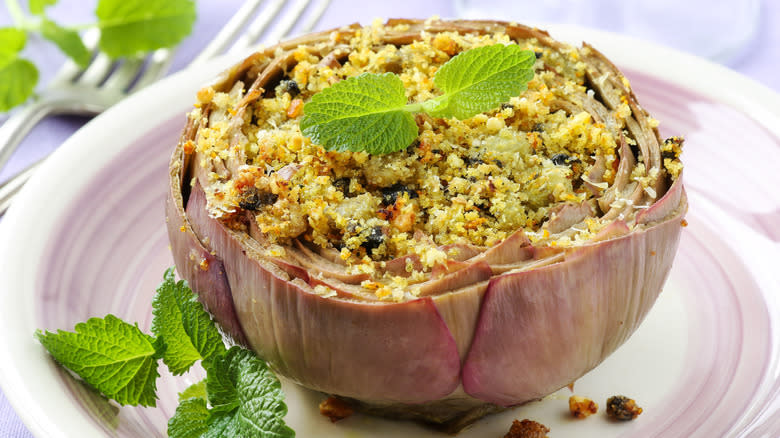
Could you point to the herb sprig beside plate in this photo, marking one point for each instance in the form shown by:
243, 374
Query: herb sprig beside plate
240, 396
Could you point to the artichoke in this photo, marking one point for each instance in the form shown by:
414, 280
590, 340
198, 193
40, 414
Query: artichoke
493, 311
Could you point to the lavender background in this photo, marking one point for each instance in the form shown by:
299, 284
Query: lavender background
758, 61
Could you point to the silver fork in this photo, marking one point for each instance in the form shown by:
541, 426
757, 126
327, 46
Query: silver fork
275, 19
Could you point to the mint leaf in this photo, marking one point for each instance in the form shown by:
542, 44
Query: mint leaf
362, 113
196, 390
12, 41
181, 323
115, 357
369, 112
479, 80
67, 40
191, 419
129, 27
37, 6
246, 396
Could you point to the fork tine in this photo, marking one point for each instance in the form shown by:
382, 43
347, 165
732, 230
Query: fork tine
123, 76
257, 27
156, 66
70, 70
286, 24
315, 16
229, 32
97, 71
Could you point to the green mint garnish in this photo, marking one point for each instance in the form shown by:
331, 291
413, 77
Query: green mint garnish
127, 28
362, 113
370, 113
115, 357
191, 420
480, 80
246, 397
240, 396
181, 323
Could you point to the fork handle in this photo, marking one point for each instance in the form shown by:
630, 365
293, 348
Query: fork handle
10, 188
13, 131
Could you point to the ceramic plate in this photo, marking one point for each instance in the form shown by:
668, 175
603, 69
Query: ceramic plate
87, 237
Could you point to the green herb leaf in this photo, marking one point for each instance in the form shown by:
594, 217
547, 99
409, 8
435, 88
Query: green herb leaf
17, 81
239, 397
196, 390
17, 76
129, 27
37, 6
191, 419
362, 113
186, 329
115, 357
12, 41
369, 112
67, 40
252, 392
479, 80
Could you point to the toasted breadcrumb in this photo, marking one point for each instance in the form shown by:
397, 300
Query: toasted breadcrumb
582, 407
527, 429
336, 409
622, 408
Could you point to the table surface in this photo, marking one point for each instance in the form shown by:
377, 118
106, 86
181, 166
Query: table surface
759, 61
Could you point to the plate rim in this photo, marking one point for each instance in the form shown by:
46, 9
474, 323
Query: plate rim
698, 75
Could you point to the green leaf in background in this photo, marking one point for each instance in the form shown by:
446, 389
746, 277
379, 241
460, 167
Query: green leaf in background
115, 357
481, 79
67, 40
362, 113
12, 41
37, 6
186, 329
17, 81
129, 27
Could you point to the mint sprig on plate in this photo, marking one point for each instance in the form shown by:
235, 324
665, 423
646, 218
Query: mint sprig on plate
370, 112
240, 396
127, 28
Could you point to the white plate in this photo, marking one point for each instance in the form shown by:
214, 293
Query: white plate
86, 237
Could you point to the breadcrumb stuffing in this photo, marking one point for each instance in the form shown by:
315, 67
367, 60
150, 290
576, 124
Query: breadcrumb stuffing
462, 182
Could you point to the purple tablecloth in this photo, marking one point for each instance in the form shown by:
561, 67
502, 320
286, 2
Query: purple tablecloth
759, 61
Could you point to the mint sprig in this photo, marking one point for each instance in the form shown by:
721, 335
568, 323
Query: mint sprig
128, 28
239, 397
370, 112
181, 323
113, 356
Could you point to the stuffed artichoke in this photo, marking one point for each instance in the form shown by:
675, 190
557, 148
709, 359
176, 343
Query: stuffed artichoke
493, 261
